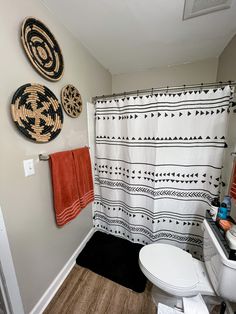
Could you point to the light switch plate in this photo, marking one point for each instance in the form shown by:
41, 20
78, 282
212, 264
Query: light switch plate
29, 167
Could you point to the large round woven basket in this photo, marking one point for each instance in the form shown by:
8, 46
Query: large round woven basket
37, 112
71, 100
42, 49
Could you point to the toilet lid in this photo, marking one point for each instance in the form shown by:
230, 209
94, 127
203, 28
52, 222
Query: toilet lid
169, 264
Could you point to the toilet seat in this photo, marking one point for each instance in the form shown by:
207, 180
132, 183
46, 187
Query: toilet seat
172, 269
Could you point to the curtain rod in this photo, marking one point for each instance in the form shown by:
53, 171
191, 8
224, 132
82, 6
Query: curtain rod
166, 89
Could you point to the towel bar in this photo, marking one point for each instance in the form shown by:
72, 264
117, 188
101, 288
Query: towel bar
45, 157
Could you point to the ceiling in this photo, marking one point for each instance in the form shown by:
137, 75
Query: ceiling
133, 35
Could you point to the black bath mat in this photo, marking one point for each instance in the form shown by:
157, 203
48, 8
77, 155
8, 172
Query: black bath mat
115, 259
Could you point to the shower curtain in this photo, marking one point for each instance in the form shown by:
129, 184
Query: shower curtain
158, 165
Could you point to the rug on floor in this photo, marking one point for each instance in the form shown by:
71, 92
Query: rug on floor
115, 259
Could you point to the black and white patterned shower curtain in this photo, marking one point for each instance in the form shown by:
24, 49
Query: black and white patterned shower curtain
158, 165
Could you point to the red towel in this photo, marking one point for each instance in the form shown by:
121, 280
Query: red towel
72, 183
232, 192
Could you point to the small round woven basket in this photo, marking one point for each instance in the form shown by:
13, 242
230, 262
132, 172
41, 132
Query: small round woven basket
42, 49
71, 101
37, 112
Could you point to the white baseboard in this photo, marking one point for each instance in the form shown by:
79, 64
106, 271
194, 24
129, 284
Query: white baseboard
57, 282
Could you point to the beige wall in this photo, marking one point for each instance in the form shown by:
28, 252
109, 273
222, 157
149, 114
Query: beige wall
227, 62
189, 73
227, 71
39, 248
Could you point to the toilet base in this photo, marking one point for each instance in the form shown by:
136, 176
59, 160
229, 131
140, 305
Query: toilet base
159, 296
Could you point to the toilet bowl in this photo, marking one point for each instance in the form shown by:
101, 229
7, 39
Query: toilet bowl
174, 271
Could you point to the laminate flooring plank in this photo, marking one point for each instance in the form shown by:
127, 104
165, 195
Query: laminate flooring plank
84, 292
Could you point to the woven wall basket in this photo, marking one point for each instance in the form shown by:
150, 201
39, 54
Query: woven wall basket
37, 112
71, 100
42, 49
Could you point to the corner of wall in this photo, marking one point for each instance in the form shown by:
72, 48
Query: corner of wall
227, 62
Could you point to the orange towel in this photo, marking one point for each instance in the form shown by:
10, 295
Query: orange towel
72, 183
83, 173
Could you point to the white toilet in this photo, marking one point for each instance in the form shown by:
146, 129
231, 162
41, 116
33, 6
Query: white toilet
178, 274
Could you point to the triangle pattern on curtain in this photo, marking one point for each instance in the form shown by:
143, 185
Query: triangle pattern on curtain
158, 165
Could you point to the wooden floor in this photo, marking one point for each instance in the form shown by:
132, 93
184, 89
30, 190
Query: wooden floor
84, 292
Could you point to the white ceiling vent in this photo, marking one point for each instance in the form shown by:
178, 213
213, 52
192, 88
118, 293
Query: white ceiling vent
193, 8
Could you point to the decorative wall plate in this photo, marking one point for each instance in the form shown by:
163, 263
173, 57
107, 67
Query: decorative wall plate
37, 112
71, 100
42, 49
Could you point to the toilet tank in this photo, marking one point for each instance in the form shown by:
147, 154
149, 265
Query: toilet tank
221, 270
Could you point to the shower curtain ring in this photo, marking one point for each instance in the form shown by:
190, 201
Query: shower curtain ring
184, 87
137, 92
152, 92
201, 87
167, 89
